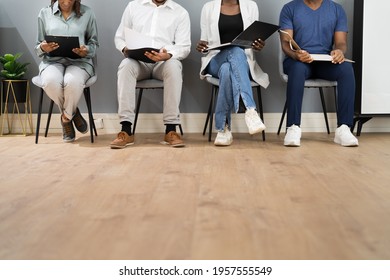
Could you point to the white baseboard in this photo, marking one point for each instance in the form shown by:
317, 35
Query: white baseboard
194, 123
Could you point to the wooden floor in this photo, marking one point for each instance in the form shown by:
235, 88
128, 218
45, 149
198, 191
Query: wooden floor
252, 200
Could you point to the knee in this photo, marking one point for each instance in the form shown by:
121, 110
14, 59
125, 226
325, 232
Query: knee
296, 69
50, 83
237, 55
128, 67
224, 70
74, 84
295, 66
345, 70
173, 67
237, 52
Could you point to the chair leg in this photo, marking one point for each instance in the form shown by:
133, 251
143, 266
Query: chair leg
181, 130
335, 98
137, 108
283, 115
209, 111
92, 127
324, 109
214, 95
39, 117
49, 117
260, 107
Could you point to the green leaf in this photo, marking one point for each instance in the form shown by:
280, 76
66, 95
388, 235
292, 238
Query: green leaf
9, 57
12, 68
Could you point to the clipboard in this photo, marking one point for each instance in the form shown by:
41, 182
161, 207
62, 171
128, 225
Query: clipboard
257, 30
139, 54
66, 44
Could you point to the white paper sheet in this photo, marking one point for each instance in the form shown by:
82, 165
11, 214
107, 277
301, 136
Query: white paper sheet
136, 40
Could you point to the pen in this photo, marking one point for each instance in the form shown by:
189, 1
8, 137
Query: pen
293, 45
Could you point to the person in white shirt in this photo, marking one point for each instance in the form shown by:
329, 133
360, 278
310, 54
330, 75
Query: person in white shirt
221, 22
168, 24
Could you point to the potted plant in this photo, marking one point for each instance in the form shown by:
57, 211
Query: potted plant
14, 86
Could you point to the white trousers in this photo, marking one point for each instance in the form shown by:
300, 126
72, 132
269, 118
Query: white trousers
170, 72
65, 86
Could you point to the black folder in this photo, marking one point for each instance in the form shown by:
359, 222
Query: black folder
257, 30
66, 44
139, 54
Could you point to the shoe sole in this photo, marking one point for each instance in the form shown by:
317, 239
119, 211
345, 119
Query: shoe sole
173, 145
83, 132
222, 144
68, 141
121, 147
178, 145
346, 145
292, 144
260, 129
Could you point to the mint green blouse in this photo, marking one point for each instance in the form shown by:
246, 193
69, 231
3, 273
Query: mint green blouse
51, 22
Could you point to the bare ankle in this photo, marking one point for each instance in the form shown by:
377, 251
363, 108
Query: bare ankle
65, 119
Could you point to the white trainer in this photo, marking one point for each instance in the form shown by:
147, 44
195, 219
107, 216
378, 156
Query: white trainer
344, 137
293, 136
253, 121
224, 138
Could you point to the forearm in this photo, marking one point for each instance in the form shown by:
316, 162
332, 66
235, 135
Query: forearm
341, 46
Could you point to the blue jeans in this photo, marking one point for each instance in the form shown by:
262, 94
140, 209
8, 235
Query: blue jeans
298, 72
231, 68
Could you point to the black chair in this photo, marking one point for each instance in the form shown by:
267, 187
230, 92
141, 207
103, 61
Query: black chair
310, 83
147, 84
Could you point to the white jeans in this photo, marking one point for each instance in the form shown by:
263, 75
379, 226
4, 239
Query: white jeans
170, 72
65, 86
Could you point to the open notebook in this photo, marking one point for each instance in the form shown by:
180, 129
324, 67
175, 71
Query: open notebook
257, 30
66, 44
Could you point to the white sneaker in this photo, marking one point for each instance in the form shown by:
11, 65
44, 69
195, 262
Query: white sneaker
293, 136
344, 137
224, 138
253, 121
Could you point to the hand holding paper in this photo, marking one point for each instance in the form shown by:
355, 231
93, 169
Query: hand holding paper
257, 30
138, 44
326, 57
63, 46
316, 57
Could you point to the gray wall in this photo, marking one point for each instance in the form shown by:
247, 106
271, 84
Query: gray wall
18, 26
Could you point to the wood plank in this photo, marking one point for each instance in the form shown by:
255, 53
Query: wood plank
252, 200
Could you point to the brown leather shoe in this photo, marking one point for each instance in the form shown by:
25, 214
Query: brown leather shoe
79, 122
173, 139
122, 141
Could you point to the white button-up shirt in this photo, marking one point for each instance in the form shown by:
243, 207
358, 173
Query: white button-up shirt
168, 25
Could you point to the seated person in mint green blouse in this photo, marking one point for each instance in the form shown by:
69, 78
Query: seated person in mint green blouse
63, 78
